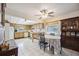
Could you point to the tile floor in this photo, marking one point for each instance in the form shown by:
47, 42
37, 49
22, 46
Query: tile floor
29, 48
68, 52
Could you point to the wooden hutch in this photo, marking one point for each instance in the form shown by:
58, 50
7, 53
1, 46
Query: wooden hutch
70, 33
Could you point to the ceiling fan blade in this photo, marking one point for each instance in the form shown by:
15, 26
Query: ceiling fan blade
44, 11
51, 12
51, 15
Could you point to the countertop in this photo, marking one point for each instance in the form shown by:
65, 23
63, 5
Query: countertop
52, 37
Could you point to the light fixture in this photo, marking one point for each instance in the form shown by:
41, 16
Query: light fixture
44, 13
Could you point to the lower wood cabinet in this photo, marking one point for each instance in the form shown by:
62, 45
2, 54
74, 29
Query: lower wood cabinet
19, 35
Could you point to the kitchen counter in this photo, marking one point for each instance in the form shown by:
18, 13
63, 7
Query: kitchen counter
55, 42
52, 37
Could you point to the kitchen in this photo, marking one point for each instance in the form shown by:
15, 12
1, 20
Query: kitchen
25, 26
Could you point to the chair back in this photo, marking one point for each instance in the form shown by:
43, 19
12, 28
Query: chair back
42, 37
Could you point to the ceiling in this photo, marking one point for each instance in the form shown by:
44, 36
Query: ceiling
29, 10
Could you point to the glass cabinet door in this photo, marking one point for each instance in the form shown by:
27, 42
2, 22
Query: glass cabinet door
67, 33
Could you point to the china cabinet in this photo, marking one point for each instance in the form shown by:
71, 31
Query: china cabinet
70, 33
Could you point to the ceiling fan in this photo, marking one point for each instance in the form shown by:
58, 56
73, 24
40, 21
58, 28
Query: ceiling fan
44, 13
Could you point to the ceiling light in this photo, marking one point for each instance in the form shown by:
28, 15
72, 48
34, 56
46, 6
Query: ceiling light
45, 13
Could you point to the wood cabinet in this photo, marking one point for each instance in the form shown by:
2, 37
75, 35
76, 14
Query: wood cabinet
19, 35
70, 33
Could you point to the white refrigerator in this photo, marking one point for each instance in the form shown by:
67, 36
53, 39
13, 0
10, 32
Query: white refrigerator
9, 33
1, 35
6, 33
